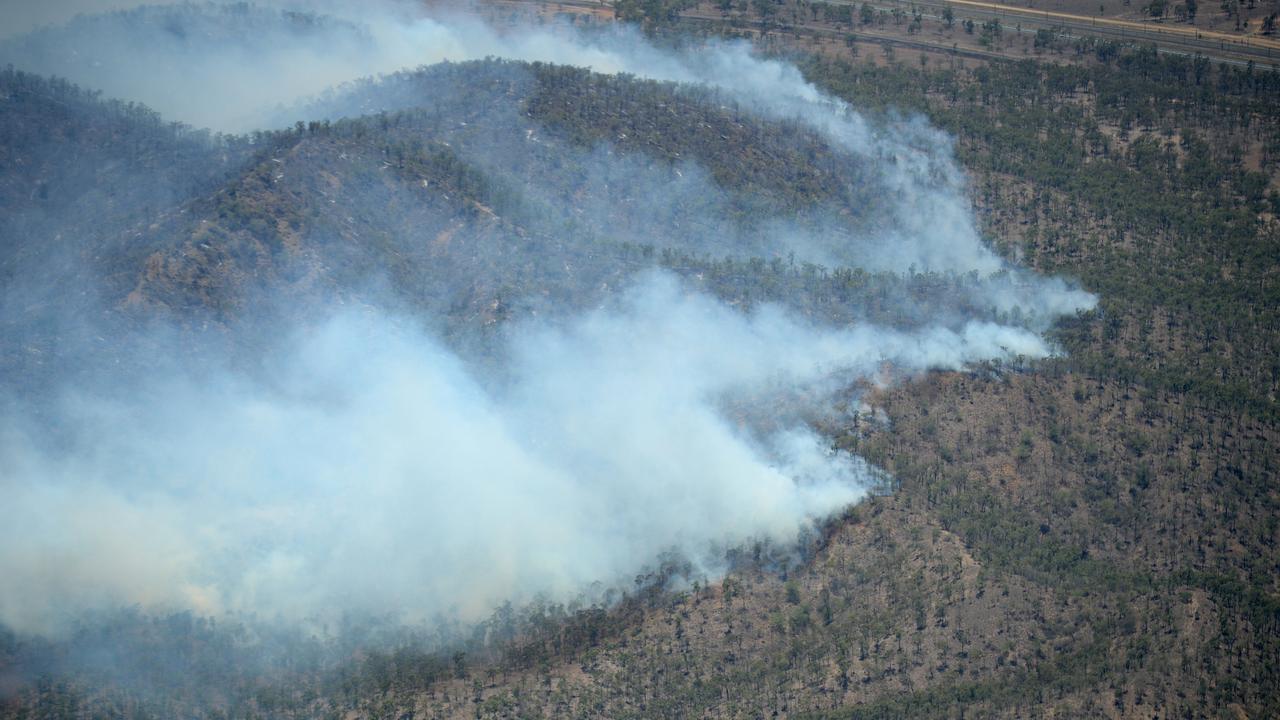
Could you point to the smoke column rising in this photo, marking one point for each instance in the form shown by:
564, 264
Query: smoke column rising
376, 474
372, 470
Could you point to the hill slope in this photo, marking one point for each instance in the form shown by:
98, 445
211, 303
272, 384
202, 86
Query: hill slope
1086, 536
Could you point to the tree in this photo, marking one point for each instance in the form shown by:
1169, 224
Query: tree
949, 16
764, 8
649, 12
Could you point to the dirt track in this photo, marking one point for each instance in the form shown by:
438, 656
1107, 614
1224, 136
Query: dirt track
1168, 39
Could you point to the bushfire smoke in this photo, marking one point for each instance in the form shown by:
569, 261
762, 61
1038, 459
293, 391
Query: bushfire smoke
367, 466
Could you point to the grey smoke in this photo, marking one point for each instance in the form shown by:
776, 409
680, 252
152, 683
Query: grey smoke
375, 473
370, 468
22, 17
249, 81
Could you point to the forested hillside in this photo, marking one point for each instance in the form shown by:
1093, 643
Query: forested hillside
1094, 537
1090, 534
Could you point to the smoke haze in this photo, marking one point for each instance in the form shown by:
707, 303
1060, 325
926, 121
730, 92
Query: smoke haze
243, 71
367, 465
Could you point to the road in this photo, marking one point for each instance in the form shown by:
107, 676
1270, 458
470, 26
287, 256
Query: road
1168, 39
1163, 30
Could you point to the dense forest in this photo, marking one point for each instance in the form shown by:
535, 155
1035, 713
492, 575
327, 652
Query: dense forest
1092, 534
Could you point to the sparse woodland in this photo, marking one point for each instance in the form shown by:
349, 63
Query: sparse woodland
1094, 535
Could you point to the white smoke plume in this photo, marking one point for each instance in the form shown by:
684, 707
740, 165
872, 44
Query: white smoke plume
251, 78
247, 80
372, 470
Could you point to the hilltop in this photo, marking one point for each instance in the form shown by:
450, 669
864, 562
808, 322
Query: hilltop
1087, 535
